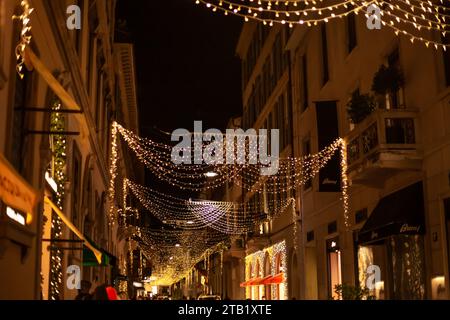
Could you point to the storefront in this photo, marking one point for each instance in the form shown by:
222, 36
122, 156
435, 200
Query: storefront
392, 240
266, 274
18, 224
334, 258
17, 201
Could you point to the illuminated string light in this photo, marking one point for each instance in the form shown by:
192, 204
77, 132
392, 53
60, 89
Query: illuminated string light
25, 36
226, 217
293, 172
58, 146
411, 18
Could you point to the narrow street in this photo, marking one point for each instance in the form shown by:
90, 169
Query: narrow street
223, 150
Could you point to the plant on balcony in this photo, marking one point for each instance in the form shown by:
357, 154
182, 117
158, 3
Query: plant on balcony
386, 84
349, 292
360, 106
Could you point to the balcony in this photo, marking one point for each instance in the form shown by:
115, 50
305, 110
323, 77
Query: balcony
382, 145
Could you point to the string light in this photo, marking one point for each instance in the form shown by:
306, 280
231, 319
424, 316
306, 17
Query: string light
293, 172
173, 262
226, 217
58, 146
411, 18
25, 36
276, 254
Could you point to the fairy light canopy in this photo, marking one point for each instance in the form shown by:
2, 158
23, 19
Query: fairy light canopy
292, 173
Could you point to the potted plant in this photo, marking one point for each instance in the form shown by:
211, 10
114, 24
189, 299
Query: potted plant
349, 292
386, 84
360, 106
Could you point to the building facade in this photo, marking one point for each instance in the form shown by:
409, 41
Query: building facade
398, 162
59, 154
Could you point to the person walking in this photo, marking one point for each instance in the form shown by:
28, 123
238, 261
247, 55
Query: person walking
84, 291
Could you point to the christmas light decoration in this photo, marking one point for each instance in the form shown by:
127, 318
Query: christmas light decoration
173, 262
292, 173
277, 255
58, 146
25, 36
422, 21
226, 217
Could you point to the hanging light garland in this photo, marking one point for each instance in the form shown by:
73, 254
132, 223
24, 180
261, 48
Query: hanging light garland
25, 36
276, 253
411, 18
58, 145
292, 173
226, 217
175, 253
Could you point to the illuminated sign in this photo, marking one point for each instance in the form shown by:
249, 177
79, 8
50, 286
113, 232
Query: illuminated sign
11, 213
15, 191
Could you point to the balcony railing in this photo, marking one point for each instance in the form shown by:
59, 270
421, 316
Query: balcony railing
386, 139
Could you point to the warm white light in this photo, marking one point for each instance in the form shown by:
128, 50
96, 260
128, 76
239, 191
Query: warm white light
177, 245
51, 182
15, 216
211, 174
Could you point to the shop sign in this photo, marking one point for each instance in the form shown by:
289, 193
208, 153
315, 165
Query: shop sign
15, 191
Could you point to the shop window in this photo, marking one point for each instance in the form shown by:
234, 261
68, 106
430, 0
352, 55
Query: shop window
334, 266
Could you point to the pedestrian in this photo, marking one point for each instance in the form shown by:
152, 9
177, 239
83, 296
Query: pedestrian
84, 291
105, 293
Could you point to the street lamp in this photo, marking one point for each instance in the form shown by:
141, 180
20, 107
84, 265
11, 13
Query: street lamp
211, 174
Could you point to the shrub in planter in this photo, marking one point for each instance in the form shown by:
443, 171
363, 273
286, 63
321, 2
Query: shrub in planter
387, 80
360, 106
386, 83
349, 292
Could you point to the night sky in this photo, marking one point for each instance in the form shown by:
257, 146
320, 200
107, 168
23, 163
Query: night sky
187, 68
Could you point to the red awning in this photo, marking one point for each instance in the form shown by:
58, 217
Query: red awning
245, 284
276, 279
255, 282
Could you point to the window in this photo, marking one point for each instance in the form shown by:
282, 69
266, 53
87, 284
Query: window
18, 134
396, 98
351, 32
76, 183
304, 83
325, 70
310, 236
78, 35
334, 266
332, 227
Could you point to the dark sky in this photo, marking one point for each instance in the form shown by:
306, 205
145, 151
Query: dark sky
187, 68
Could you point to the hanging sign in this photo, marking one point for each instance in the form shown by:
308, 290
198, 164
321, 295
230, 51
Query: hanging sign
15, 191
